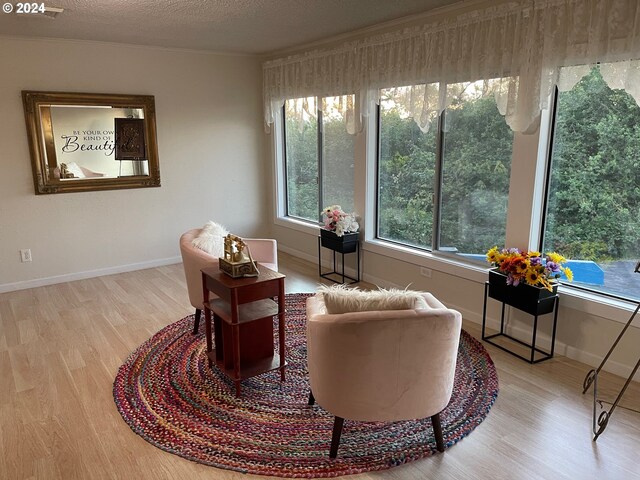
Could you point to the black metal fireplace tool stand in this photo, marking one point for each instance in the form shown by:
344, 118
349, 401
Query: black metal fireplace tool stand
601, 421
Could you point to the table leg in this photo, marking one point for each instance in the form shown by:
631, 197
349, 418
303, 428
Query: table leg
282, 356
235, 341
207, 323
281, 312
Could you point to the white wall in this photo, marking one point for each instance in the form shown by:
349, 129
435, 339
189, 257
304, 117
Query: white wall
211, 150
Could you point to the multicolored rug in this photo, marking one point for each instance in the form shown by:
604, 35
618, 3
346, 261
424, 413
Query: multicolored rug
169, 396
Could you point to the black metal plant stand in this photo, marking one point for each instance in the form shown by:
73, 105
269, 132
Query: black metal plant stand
601, 421
346, 244
541, 306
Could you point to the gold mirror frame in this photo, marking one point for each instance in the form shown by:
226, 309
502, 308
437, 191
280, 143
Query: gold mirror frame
41, 149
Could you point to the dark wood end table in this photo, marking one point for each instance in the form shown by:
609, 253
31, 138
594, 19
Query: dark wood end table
243, 323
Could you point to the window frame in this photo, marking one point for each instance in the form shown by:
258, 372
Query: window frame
591, 293
553, 108
376, 202
533, 147
438, 178
320, 164
285, 165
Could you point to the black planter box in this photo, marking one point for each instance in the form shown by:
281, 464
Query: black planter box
530, 299
344, 244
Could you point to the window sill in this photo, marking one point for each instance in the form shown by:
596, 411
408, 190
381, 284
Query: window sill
299, 225
588, 303
597, 305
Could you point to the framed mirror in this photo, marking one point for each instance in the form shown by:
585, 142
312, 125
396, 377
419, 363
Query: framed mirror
82, 142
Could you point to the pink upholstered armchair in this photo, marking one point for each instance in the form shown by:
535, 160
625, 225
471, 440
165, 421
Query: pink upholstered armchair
382, 365
264, 251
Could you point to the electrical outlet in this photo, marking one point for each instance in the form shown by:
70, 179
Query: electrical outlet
25, 255
425, 272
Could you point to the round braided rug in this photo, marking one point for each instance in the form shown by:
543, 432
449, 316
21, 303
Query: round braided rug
169, 396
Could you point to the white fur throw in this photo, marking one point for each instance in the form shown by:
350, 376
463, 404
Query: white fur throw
342, 299
211, 239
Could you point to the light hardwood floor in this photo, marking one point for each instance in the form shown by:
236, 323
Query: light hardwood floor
61, 346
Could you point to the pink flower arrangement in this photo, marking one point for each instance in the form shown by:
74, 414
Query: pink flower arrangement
336, 220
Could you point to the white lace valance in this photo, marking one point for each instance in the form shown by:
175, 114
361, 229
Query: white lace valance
516, 47
340, 106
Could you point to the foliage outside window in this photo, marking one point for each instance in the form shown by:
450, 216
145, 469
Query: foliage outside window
594, 186
319, 157
301, 158
406, 169
465, 158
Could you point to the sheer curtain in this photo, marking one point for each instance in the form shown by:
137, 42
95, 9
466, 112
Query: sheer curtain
618, 75
515, 48
303, 108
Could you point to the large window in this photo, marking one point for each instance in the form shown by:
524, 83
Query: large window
319, 157
406, 169
445, 188
593, 215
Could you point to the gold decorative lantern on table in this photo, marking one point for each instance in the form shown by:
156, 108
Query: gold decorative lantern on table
237, 261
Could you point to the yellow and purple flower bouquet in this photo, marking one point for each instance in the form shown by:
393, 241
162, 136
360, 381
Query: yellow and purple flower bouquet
529, 267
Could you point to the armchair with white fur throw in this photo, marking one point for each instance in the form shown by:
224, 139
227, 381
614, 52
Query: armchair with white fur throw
201, 248
381, 356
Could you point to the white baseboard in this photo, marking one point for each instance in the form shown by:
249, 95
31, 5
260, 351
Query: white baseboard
314, 259
348, 271
611, 366
544, 341
297, 253
70, 277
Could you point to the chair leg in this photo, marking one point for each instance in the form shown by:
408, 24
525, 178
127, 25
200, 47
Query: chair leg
196, 323
437, 431
335, 438
312, 399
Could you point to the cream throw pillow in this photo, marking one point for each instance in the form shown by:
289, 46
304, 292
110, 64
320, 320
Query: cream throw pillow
342, 299
73, 167
211, 239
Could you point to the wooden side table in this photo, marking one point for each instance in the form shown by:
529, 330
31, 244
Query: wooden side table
243, 323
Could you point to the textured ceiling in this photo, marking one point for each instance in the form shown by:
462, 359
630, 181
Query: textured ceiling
235, 26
